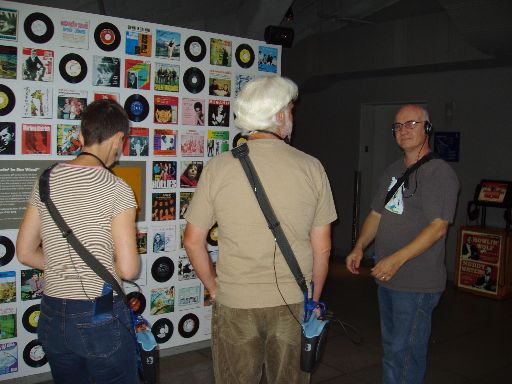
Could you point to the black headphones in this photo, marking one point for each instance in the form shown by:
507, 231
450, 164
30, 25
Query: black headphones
427, 127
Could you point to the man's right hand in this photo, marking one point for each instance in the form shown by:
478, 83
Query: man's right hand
353, 260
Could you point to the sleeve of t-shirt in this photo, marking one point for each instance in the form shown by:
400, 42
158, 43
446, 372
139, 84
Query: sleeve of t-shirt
200, 211
325, 209
439, 195
34, 195
124, 198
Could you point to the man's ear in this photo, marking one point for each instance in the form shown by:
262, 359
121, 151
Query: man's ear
280, 117
118, 139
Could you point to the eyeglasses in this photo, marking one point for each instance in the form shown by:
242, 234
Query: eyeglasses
409, 125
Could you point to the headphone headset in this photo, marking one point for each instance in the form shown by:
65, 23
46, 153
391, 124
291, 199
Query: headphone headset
427, 127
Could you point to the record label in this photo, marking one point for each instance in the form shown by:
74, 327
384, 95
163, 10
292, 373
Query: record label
137, 107
162, 269
73, 68
195, 48
194, 80
162, 329
213, 235
38, 28
137, 302
7, 100
188, 326
6, 250
34, 355
107, 36
31, 318
244, 56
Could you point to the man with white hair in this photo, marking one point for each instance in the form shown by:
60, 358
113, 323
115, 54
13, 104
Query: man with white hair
257, 302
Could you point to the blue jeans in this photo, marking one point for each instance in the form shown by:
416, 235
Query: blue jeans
80, 351
405, 322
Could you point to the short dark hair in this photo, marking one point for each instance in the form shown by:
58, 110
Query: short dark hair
198, 104
101, 120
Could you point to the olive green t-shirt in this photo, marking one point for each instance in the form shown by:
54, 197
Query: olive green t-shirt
249, 261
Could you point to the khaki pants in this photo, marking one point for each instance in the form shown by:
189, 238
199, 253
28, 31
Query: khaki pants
245, 340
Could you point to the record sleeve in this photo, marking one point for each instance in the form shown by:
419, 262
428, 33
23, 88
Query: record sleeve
194, 80
195, 48
38, 28
107, 36
10, 28
73, 68
9, 59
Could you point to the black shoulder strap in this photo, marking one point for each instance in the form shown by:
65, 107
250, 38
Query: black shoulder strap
67, 233
242, 153
408, 171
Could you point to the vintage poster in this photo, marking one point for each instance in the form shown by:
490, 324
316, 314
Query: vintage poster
167, 44
32, 284
164, 238
164, 175
106, 71
267, 59
164, 142
8, 24
74, 33
493, 191
185, 200
190, 173
478, 276
38, 102
137, 142
138, 41
192, 143
137, 74
36, 139
167, 77
142, 240
240, 81
166, 109
8, 141
37, 64
185, 269
163, 206
162, 301
192, 111
219, 83
220, 52
217, 142
189, 297
7, 287
218, 113
8, 357
481, 246
7, 322
67, 139
70, 104
8, 62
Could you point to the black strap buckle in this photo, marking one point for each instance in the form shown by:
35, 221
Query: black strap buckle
241, 151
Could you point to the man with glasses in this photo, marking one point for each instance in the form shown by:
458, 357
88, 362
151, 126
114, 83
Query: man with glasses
409, 230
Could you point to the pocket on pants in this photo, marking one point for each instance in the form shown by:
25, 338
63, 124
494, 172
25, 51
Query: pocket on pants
100, 339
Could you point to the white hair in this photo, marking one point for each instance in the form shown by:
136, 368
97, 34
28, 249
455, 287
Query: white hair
260, 100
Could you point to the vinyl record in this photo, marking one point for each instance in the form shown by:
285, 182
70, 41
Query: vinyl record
244, 55
34, 355
162, 329
137, 107
73, 68
195, 48
7, 100
30, 318
137, 302
212, 237
239, 139
188, 326
107, 36
194, 80
6, 250
162, 269
38, 28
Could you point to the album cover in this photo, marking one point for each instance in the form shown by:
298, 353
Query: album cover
107, 96
137, 142
168, 44
164, 142
218, 113
164, 174
166, 109
219, 83
70, 104
185, 199
8, 62
32, 284
8, 357
7, 287
74, 33
8, 142
240, 81
267, 59
8, 24
38, 102
138, 41
142, 240
167, 77
67, 139
37, 64
192, 111
36, 139
189, 297
185, 269
220, 52
217, 142
7, 322
190, 173
192, 143
164, 238
182, 232
106, 71
163, 206
162, 301
137, 73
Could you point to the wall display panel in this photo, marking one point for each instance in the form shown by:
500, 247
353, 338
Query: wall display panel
177, 86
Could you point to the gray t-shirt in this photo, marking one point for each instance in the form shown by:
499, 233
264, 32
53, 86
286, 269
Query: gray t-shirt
431, 193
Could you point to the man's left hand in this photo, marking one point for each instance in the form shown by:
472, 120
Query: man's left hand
386, 268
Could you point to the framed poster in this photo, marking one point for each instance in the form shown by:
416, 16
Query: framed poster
494, 193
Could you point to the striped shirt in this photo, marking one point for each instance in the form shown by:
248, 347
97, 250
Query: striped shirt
88, 199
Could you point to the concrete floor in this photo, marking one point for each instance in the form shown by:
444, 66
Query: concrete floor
471, 340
